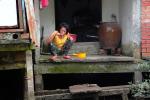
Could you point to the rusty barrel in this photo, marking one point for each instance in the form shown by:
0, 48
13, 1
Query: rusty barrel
109, 35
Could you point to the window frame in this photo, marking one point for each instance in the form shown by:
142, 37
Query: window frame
19, 27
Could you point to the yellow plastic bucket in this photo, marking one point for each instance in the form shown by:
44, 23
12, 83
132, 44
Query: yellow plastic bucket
81, 55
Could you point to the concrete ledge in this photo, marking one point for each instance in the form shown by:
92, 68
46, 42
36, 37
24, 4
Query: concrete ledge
90, 58
14, 41
146, 58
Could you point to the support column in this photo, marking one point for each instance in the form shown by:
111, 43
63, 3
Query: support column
38, 82
136, 28
29, 83
124, 96
137, 76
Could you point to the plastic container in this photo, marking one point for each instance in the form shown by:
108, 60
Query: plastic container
74, 36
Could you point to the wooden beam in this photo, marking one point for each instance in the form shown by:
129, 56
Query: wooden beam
31, 20
20, 14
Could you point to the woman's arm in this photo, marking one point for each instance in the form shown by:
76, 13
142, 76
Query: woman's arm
51, 37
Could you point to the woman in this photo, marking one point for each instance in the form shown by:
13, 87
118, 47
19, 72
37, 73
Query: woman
60, 42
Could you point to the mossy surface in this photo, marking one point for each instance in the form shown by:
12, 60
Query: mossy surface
16, 47
12, 66
84, 68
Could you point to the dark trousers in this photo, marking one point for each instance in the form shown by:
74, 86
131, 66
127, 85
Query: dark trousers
54, 50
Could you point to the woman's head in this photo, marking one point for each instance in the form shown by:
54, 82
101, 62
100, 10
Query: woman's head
63, 28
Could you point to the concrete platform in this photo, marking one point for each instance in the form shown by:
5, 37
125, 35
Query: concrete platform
89, 58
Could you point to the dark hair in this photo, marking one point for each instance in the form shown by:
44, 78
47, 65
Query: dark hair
65, 25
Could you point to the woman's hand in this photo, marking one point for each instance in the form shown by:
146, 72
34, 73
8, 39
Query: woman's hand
72, 37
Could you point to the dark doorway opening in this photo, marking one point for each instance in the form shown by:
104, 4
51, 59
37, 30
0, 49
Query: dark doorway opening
12, 84
82, 15
63, 81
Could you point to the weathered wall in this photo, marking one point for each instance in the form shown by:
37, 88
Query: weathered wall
128, 15
130, 24
126, 22
47, 18
47, 15
136, 22
12, 60
110, 7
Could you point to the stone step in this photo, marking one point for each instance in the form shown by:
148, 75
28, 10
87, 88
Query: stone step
89, 47
93, 63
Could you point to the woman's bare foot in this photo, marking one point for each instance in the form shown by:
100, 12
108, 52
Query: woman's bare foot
53, 58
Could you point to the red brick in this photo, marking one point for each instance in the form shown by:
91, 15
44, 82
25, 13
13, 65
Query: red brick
144, 41
145, 8
145, 16
145, 12
146, 20
145, 36
145, 28
145, 31
145, 3
145, 24
148, 49
144, 50
146, 54
145, 45
148, 41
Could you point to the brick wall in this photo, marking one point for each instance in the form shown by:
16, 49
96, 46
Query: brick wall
145, 28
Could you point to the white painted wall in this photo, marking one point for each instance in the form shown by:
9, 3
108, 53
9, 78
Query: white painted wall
110, 7
126, 25
47, 18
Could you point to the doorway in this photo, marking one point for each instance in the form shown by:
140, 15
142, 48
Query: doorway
12, 84
82, 15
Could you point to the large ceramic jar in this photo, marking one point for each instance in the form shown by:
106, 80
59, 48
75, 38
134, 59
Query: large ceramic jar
109, 35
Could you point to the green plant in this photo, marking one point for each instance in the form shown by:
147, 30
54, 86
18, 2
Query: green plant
144, 66
141, 89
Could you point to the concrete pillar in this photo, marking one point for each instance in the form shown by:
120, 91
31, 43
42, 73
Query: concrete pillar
29, 84
38, 82
136, 28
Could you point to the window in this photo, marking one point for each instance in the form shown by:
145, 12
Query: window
11, 16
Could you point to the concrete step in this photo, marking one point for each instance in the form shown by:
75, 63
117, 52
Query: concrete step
93, 63
89, 47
